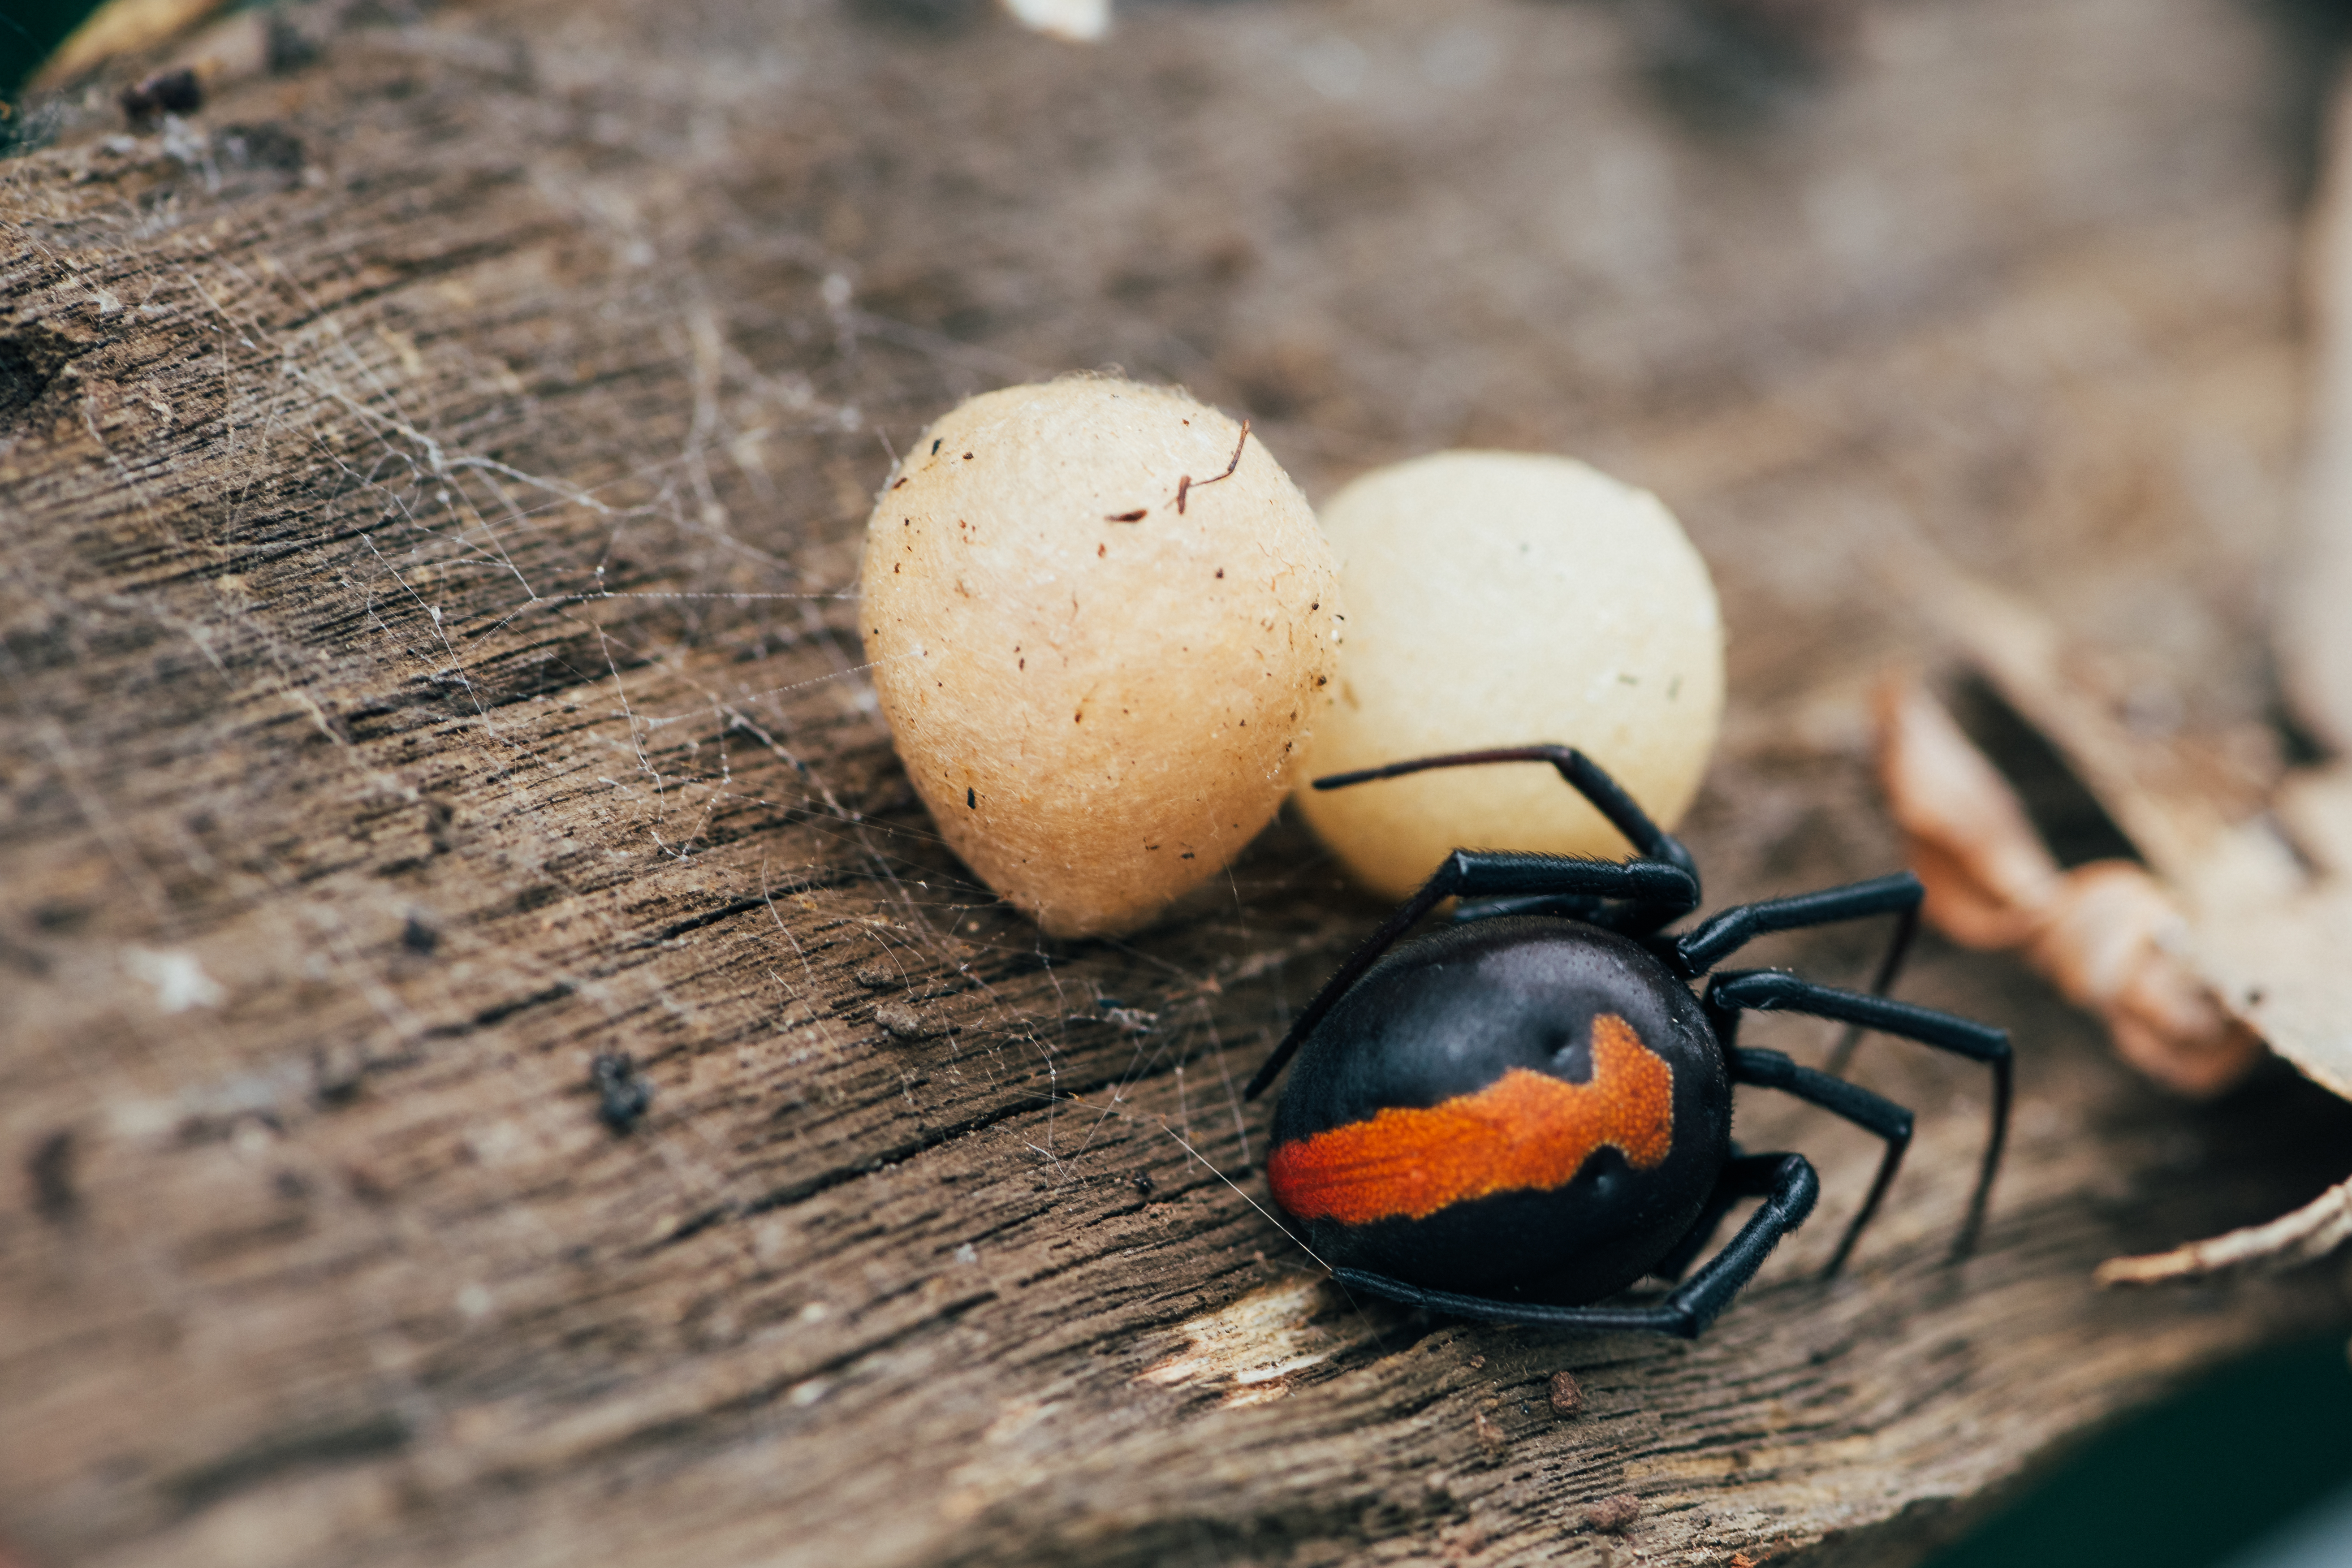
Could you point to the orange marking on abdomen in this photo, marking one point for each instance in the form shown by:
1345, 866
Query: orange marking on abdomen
1526, 1129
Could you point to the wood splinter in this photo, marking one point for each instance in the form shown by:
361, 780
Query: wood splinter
2305, 1235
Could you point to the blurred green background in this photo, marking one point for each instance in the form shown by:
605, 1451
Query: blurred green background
2251, 1469
29, 29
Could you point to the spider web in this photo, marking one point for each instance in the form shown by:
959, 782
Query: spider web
569, 595
726, 711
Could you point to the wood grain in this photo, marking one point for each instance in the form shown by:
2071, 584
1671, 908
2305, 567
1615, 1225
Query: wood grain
431, 482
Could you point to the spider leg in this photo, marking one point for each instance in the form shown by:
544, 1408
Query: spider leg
1898, 895
1873, 1113
1591, 911
1718, 937
1585, 776
1870, 1113
1470, 873
1785, 1181
1773, 990
1728, 1191
1906, 926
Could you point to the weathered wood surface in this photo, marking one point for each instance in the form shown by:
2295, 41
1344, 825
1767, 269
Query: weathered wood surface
427, 661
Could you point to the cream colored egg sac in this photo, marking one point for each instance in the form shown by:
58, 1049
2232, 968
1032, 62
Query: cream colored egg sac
1098, 616
1503, 599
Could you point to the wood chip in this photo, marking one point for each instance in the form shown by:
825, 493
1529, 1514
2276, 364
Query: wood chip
899, 1020
1614, 1515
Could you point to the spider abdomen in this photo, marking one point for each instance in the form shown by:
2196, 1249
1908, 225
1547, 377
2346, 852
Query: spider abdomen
1530, 1107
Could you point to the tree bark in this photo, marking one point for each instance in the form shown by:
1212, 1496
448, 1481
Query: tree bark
431, 481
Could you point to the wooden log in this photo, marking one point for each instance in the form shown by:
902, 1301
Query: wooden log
428, 665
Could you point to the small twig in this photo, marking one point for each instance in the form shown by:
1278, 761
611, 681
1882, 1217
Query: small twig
1186, 483
2310, 1232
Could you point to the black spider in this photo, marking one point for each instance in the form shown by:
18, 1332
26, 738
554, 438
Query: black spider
1530, 1110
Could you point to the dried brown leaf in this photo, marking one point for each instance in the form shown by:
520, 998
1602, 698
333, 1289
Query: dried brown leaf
2107, 934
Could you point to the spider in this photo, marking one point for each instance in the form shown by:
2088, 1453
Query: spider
1529, 1110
